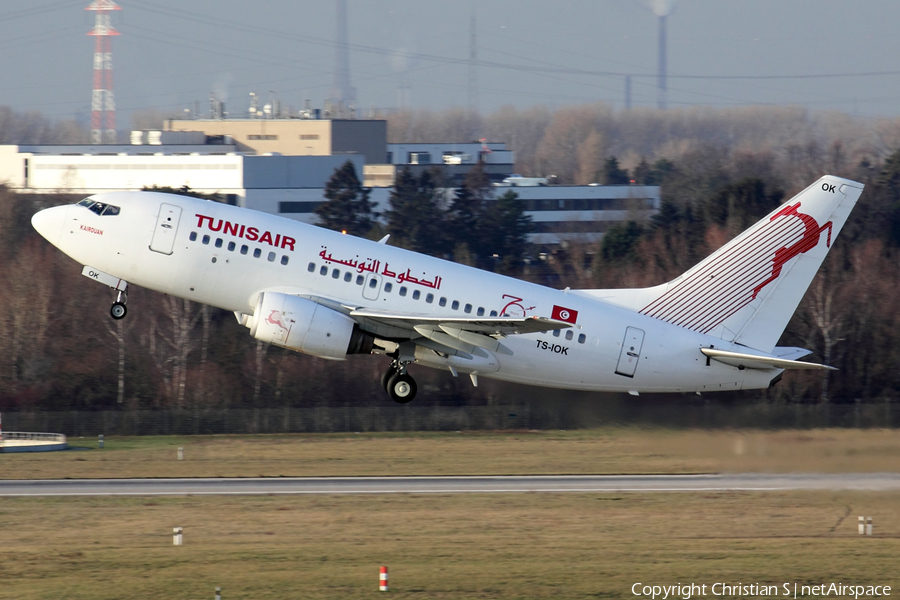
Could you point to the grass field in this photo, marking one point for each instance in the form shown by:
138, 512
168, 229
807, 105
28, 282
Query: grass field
494, 546
597, 451
441, 546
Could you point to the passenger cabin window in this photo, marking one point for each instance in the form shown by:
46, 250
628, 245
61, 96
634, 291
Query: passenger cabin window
193, 236
244, 249
429, 298
416, 294
480, 312
468, 308
569, 334
388, 287
442, 302
403, 290
455, 305
581, 338
231, 246
360, 279
556, 333
257, 253
348, 276
271, 257
284, 259
311, 267
219, 242
205, 239
323, 270
335, 274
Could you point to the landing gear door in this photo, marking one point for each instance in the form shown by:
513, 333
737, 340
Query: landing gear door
631, 352
166, 227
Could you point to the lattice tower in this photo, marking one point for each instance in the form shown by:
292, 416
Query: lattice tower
103, 102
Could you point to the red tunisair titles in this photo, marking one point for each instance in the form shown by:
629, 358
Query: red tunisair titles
251, 234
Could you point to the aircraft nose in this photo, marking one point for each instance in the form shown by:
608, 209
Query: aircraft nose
49, 223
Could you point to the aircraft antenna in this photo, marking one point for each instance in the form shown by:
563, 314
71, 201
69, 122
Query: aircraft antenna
103, 102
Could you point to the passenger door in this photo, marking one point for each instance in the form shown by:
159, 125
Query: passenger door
631, 352
166, 228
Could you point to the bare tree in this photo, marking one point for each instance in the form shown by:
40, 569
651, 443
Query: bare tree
118, 333
829, 325
171, 357
259, 361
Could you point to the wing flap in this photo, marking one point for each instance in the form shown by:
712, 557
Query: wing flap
755, 361
442, 338
481, 325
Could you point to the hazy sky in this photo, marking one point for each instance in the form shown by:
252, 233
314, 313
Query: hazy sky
824, 54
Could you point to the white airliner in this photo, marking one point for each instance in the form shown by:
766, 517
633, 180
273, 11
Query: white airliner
326, 294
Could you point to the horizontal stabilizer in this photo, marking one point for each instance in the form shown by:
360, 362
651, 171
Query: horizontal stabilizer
755, 361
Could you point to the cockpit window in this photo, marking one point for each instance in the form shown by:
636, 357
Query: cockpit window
106, 210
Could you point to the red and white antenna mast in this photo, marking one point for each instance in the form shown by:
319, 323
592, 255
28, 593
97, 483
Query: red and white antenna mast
103, 102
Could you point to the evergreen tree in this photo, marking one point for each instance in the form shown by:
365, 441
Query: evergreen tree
347, 207
415, 216
646, 174
612, 174
504, 229
739, 205
887, 188
620, 242
465, 212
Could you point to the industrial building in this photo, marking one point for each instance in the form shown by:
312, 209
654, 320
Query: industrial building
244, 180
225, 157
454, 160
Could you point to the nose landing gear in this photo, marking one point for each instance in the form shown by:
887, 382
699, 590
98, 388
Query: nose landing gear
118, 310
399, 384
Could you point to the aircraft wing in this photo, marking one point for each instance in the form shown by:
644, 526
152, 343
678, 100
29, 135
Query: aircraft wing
465, 334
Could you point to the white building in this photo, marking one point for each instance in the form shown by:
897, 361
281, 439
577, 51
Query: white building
292, 186
244, 180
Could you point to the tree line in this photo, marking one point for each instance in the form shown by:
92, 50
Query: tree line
719, 171
472, 225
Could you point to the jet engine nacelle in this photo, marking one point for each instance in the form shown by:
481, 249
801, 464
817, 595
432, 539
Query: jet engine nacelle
302, 325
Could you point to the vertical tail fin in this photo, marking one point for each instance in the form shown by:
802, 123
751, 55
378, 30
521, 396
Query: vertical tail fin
747, 291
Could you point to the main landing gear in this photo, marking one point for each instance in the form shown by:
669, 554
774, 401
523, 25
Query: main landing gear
399, 384
118, 310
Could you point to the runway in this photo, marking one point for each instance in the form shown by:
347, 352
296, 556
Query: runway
745, 482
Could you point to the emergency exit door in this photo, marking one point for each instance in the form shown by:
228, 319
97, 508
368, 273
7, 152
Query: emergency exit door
166, 227
631, 352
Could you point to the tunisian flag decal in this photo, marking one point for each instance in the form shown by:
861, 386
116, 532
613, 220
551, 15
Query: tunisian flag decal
561, 313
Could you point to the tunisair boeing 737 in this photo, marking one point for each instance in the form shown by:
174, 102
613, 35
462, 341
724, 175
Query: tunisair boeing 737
326, 294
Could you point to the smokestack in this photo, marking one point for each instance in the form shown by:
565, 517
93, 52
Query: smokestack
628, 92
341, 92
472, 89
661, 70
662, 9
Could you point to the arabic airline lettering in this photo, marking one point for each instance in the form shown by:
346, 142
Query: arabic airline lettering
714, 328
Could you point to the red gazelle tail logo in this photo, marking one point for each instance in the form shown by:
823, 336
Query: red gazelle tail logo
812, 233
